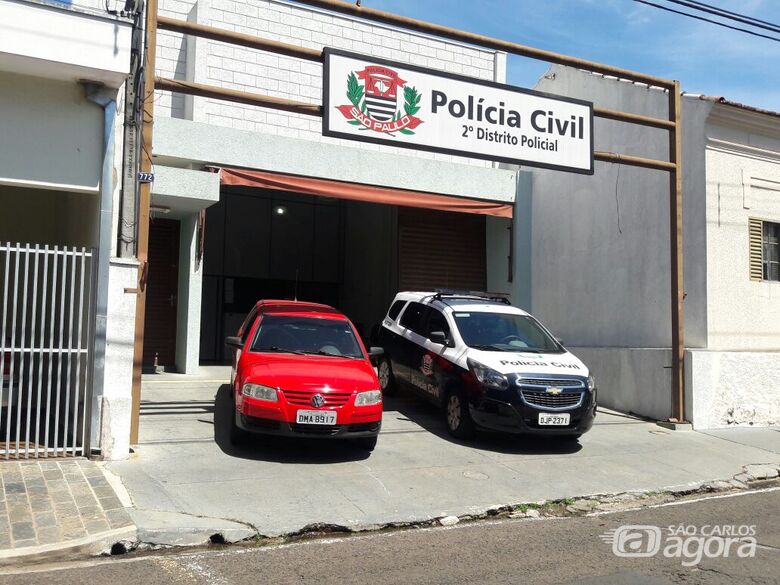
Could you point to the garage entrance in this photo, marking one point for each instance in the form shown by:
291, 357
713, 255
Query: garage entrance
354, 255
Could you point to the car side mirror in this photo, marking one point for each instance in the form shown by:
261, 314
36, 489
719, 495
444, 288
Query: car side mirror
234, 342
375, 353
559, 340
439, 337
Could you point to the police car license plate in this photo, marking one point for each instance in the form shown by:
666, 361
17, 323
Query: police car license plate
549, 419
316, 417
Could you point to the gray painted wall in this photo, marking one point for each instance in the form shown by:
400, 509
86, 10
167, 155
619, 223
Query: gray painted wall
600, 252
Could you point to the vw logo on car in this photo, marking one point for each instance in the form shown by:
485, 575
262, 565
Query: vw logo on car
317, 400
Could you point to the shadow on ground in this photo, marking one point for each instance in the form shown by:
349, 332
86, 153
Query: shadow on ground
279, 449
430, 419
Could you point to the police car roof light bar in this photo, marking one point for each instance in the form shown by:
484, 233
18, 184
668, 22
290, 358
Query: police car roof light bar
471, 294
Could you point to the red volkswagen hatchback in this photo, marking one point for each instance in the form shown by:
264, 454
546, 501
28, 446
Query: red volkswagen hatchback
300, 369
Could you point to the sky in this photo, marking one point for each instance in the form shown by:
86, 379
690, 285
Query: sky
705, 58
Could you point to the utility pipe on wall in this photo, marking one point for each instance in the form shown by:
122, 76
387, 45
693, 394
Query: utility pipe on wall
102, 97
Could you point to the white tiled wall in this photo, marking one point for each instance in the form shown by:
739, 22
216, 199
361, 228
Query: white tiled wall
225, 65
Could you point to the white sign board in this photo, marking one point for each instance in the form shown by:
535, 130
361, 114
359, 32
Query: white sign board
374, 100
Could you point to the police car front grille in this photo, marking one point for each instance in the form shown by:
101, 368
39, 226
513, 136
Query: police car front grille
545, 400
302, 398
560, 383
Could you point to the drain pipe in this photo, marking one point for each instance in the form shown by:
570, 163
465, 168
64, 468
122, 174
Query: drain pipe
105, 98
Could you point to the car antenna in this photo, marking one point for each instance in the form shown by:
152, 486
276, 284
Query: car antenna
295, 294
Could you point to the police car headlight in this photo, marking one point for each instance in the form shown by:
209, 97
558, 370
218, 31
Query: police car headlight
368, 398
488, 376
260, 392
591, 384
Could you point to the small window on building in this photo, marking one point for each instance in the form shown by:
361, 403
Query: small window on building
764, 250
395, 309
771, 251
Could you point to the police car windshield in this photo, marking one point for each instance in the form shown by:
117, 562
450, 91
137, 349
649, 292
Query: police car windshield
306, 335
504, 332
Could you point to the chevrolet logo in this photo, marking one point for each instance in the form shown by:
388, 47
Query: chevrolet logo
553, 390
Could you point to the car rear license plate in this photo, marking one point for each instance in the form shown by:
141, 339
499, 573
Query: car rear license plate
556, 420
316, 417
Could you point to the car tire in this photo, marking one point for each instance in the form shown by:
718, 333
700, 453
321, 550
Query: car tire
368, 443
387, 381
457, 415
238, 436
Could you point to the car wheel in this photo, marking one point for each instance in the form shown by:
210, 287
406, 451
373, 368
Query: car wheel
457, 415
238, 436
368, 443
386, 379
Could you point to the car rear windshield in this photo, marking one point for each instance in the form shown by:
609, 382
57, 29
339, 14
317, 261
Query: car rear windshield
504, 332
306, 335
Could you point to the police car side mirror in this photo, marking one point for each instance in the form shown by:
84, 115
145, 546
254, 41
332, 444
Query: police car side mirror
439, 337
374, 354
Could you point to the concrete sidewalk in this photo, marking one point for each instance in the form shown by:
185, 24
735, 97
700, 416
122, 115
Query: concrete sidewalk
188, 483
57, 509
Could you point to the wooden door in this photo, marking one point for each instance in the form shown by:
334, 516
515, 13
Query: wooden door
161, 291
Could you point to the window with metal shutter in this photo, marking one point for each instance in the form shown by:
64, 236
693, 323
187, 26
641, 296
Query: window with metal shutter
438, 249
756, 247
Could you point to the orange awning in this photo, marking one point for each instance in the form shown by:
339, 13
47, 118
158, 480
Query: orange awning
358, 192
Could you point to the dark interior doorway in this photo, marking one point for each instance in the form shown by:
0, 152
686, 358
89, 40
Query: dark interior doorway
161, 293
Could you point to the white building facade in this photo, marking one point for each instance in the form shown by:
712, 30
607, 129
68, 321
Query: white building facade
63, 67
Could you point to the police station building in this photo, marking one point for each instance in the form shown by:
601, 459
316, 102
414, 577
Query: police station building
253, 203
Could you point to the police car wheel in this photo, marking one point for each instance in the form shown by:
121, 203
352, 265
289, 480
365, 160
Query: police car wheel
456, 411
386, 379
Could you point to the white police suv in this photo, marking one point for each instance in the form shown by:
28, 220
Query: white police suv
486, 363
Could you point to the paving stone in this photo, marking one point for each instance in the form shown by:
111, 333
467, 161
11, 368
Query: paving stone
19, 514
98, 481
41, 505
104, 491
56, 485
110, 503
61, 496
14, 488
50, 474
49, 535
91, 512
22, 530
85, 500
46, 465
65, 510
118, 518
26, 542
96, 526
44, 520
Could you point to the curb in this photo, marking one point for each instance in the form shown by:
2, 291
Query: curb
92, 545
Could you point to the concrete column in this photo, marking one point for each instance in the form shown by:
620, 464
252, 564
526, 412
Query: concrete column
189, 297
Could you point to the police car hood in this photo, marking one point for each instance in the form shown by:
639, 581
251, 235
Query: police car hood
510, 362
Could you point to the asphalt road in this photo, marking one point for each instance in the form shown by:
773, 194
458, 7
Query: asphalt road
561, 551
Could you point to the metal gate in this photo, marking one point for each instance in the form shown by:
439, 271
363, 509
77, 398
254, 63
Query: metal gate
46, 350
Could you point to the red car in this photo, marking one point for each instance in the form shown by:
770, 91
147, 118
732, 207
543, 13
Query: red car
300, 369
